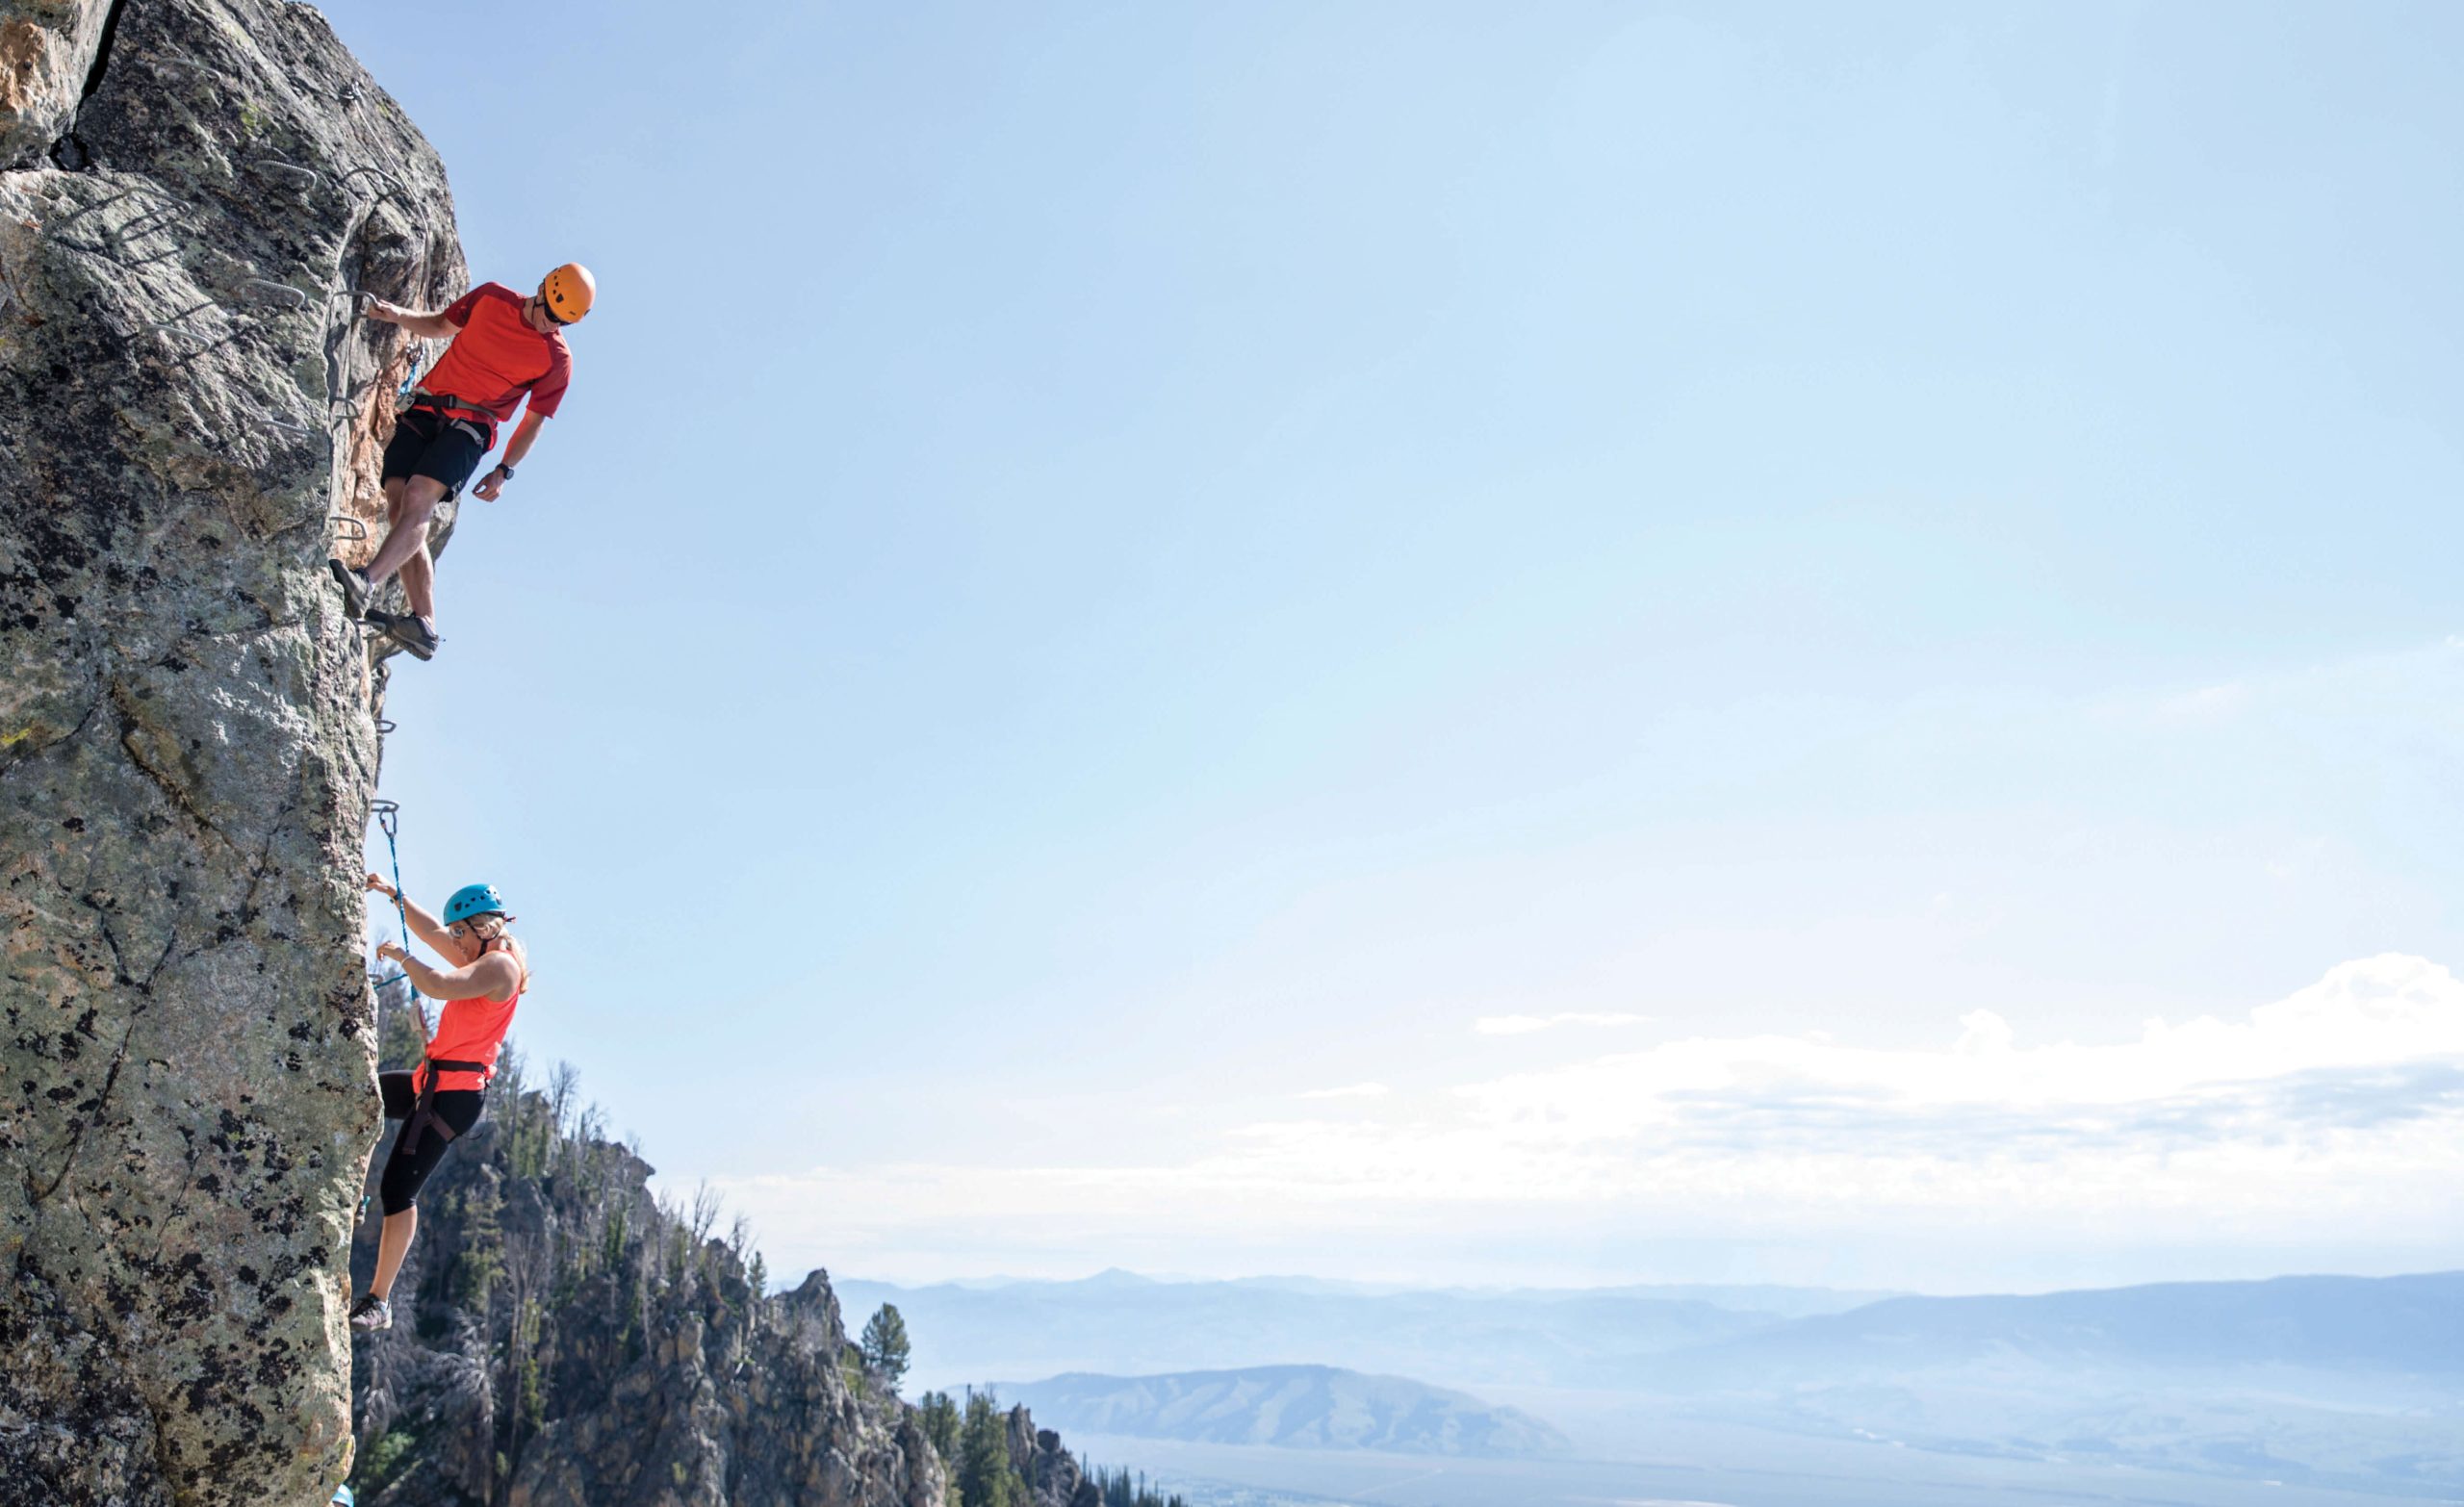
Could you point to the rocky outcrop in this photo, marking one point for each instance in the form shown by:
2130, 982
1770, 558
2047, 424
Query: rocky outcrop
191, 192
1051, 1472
47, 55
560, 1339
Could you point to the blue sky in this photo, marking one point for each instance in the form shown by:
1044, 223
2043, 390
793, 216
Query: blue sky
1111, 567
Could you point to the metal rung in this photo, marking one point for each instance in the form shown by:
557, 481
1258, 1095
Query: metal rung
278, 164
359, 523
181, 316
392, 185
383, 727
291, 297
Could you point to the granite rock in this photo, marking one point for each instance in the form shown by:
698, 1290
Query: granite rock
190, 194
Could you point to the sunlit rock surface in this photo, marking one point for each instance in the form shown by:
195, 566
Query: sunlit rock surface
190, 194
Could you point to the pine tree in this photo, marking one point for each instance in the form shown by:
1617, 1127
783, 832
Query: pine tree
985, 1477
1120, 1489
884, 1344
941, 1419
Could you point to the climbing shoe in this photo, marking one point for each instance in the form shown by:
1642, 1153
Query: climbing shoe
407, 629
372, 1313
356, 591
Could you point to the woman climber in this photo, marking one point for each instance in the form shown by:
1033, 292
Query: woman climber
442, 1097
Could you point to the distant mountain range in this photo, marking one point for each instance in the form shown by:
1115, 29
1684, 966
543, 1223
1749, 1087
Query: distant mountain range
2384, 1326
1122, 1324
2347, 1382
1308, 1407
1672, 1340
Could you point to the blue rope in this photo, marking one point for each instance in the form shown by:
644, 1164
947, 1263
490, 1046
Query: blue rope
386, 814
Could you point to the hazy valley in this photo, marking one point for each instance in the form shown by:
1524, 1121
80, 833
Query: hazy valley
2324, 1387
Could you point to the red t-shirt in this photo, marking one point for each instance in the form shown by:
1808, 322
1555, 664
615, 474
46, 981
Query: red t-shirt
498, 356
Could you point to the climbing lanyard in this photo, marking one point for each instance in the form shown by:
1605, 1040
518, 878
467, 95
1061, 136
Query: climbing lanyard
410, 392
387, 814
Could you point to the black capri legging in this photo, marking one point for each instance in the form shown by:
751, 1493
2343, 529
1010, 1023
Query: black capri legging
406, 1169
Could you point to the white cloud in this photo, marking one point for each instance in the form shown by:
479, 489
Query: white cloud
1348, 1091
1524, 1024
2335, 1112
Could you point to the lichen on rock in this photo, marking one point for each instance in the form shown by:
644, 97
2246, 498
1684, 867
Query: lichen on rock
191, 192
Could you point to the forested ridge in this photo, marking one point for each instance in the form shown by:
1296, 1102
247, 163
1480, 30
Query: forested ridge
562, 1336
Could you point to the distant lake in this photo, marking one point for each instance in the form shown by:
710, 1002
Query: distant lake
1709, 1465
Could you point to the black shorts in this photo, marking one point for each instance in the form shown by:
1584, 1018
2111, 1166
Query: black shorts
406, 1168
426, 443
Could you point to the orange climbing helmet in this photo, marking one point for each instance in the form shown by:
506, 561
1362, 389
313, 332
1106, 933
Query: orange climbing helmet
568, 292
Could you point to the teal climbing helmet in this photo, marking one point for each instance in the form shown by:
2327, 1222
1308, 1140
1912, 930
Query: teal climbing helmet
473, 899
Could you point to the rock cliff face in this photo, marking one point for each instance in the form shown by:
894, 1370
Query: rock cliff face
189, 193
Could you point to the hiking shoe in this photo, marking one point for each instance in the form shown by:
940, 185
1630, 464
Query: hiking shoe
372, 1313
407, 629
356, 592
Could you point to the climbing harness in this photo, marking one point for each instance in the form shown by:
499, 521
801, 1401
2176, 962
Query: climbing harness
423, 1111
481, 426
448, 403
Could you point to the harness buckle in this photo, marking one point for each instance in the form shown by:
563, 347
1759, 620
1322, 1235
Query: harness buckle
480, 423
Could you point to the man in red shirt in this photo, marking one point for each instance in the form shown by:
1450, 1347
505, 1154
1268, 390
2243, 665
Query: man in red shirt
504, 347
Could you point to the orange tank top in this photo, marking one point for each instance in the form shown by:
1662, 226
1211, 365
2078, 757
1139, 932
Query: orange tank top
472, 1031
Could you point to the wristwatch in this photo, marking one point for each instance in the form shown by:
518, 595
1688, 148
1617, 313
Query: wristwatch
506, 472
